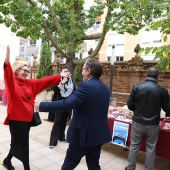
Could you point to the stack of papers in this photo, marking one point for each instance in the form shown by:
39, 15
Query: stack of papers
167, 126
124, 119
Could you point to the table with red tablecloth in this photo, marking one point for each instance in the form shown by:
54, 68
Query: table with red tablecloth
163, 144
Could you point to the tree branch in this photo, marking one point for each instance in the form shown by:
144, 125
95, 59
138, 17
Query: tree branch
32, 3
91, 37
79, 61
47, 31
104, 32
118, 18
101, 40
55, 19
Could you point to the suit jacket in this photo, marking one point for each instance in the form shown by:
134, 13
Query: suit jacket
89, 125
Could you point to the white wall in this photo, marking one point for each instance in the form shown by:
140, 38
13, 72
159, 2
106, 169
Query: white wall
88, 4
7, 38
116, 40
150, 39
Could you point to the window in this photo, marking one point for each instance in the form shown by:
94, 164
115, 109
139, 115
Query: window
97, 25
21, 56
96, 43
109, 58
61, 58
156, 41
23, 50
32, 43
119, 44
81, 55
22, 42
119, 58
146, 43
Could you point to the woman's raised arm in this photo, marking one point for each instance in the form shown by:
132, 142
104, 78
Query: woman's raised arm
7, 55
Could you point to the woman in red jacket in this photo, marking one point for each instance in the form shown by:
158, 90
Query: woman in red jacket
21, 93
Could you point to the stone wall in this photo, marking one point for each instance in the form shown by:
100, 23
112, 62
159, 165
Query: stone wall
126, 74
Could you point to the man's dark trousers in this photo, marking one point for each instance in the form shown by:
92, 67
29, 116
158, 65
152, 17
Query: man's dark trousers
75, 153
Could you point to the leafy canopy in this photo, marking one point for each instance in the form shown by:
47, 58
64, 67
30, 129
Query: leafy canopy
64, 22
162, 53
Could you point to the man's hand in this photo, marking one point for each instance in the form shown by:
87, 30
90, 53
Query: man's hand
36, 105
65, 79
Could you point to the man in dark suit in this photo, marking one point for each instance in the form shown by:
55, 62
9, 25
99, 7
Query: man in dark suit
89, 128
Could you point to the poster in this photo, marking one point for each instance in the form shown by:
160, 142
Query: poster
120, 133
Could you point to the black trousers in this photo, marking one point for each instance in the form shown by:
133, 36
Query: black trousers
75, 153
51, 116
58, 129
20, 141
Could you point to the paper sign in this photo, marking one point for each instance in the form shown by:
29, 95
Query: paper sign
120, 133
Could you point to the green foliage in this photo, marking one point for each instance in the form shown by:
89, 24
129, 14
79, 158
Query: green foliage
74, 19
64, 22
156, 25
44, 68
162, 53
148, 50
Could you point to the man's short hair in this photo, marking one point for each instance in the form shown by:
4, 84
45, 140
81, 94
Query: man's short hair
95, 67
64, 67
153, 72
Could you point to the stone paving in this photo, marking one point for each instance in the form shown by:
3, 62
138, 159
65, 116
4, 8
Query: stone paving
113, 157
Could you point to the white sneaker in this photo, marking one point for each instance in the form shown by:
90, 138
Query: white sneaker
51, 147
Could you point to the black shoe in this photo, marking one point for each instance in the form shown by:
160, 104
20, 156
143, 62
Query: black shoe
7, 164
126, 168
48, 120
51, 146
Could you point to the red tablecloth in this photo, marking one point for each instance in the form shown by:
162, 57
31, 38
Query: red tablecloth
3, 96
163, 144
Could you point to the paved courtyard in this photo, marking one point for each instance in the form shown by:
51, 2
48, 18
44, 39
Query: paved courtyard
42, 158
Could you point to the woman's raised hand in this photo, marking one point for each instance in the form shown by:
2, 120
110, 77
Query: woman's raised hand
64, 74
7, 55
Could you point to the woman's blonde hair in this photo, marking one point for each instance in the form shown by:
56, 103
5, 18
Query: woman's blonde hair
17, 66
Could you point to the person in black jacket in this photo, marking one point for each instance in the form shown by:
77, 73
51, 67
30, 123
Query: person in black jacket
61, 91
146, 100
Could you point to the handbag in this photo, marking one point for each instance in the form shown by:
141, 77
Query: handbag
36, 120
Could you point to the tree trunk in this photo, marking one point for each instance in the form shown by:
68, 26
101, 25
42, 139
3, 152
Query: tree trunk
70, 65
